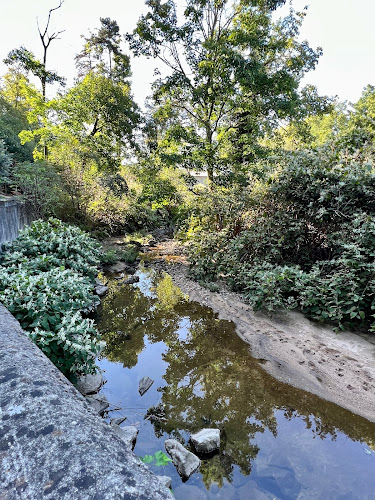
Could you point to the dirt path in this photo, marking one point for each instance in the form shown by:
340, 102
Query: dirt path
337, 367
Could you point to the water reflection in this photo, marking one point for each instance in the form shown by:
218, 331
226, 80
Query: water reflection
205, 377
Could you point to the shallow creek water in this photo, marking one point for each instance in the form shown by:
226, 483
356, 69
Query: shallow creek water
278, 442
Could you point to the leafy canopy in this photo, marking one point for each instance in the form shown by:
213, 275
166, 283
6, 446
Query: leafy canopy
227, 62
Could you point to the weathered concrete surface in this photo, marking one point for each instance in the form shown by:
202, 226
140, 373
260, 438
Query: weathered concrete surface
52, 445
13, 217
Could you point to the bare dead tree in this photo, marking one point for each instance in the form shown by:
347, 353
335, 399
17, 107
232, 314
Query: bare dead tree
46, 39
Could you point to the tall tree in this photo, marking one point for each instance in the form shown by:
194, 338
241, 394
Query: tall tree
102, 53
224, 58
27, 61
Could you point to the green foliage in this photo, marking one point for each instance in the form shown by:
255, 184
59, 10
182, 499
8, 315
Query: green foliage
72, 346
303, 236
59, 244
42, 299
218, 92
160, 459
40, 186
28, 62
45, 282
128, 254
5, 162
109, 257
12, 121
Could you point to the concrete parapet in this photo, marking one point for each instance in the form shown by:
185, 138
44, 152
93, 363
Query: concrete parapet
52, 445
13, 217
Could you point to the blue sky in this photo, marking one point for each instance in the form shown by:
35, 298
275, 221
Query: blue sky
344, 28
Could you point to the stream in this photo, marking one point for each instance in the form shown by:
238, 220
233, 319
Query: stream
277, 442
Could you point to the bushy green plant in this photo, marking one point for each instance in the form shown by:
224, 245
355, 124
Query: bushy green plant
47, 299
72, 346
41, 300
128, 254
5, 162
304, 237
44, 245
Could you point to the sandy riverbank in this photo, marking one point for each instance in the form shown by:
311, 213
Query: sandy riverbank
337, 367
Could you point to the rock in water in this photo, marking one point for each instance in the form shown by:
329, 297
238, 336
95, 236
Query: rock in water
99, 403
185, 461
117, 421
206, 440
131, 280
90, 384
144, 385
166, 481
127, 434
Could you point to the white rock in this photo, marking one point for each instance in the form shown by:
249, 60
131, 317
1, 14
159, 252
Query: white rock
90, 384
185, 461
206, 440
101, 290
127, 434
166, 481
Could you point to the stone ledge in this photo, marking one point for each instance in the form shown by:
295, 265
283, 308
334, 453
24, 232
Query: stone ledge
52, 445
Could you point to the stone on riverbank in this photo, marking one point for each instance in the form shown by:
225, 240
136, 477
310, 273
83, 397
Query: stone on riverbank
90, 384
206, 440
144, 385
99, 403
101, 290
131, 280
185, 461
117, 421
166, 481
127, 434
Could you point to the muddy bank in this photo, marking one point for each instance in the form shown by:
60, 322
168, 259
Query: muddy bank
337, 367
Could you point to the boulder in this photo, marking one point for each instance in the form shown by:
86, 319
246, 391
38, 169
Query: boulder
144, 384
185, 461
120, 276
166, 481
131, 280
98, 282
127, 434
206, 440
117, 421
130, 270
135, 243
101, 290
117, 268
99, 403
90, 384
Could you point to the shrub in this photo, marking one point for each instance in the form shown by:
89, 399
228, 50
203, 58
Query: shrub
47, 298
44, 245
42, 299
302, 236
72, 346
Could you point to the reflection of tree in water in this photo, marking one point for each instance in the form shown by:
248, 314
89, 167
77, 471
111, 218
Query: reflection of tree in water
126, 316
212, 381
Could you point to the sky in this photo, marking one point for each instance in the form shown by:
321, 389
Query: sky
343, 28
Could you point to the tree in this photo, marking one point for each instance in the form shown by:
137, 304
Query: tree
5, 161
27, 61
102, 53
15, 107
225, 60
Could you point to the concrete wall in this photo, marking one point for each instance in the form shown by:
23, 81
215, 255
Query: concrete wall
13, 217
52, 444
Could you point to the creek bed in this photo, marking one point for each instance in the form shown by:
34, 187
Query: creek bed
278, 442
